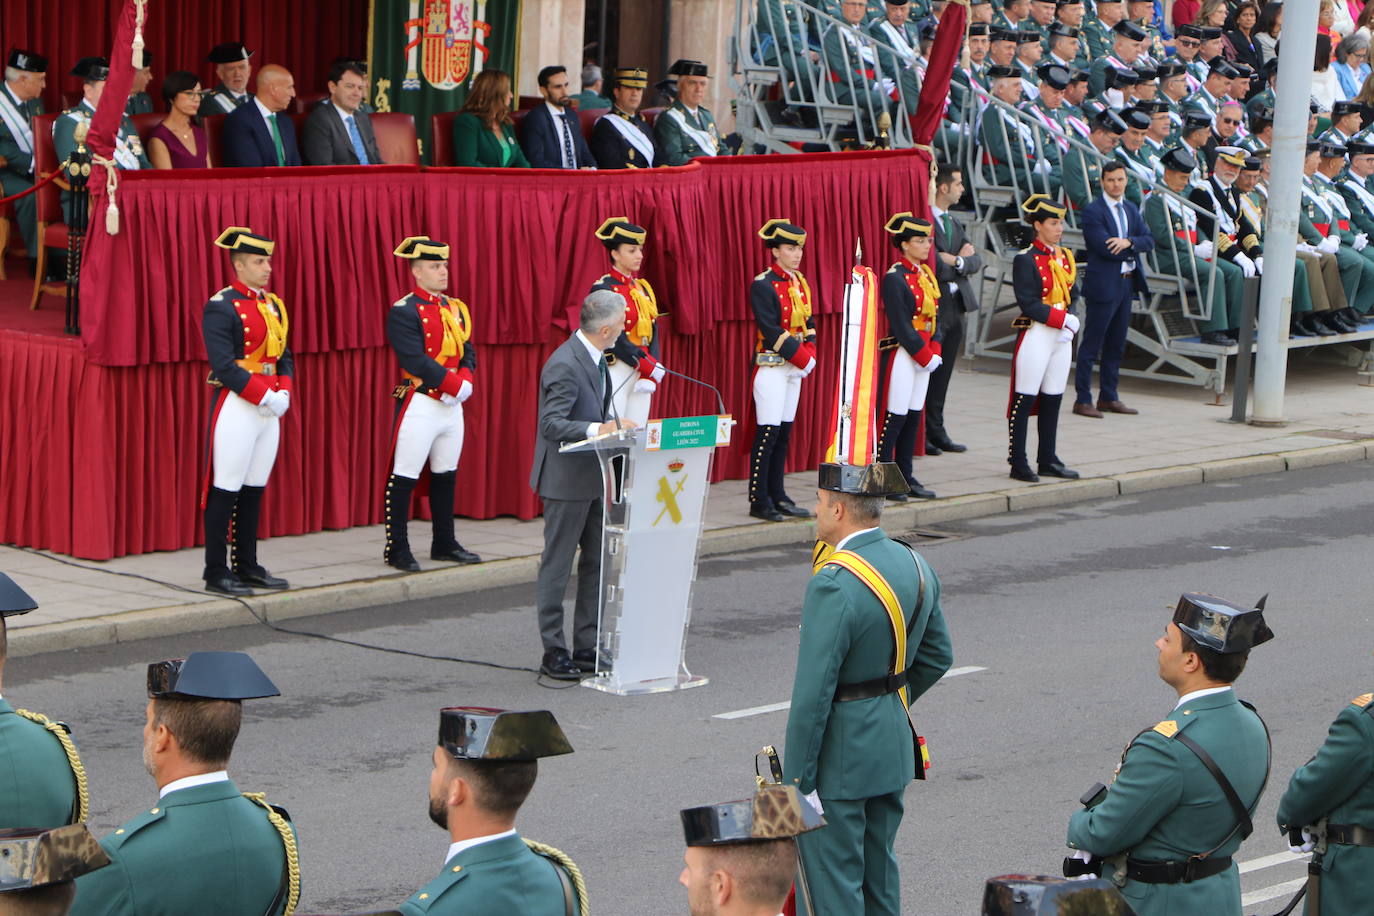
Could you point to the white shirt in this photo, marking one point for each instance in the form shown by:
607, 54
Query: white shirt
1205, 692
455, 848
267, 113
597, 357
849, 537
935, 215
190, 782
559, 125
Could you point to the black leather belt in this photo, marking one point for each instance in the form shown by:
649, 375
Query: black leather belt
1349, 835
1175, 872
864, 690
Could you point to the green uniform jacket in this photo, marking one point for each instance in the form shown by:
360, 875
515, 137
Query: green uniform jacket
205, 850
1338, 784
64, 134
37, 786
1097, 39
493, 879
590, 101
860, 748
139, 103
17, 173
1361, 217
1082, 178
679, 147
1165, 806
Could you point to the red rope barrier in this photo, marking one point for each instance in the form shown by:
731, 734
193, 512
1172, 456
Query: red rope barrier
27, 191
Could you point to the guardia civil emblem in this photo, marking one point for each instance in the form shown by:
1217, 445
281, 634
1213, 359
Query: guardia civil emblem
445, 42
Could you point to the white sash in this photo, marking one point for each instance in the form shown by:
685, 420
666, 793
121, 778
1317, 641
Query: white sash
1312, 193
1054, 130
1361, 192
899, 42
1337, 202
19, 128
1143, 170
126, 149
1186, 214
226, 101
632, 134
703, 139
1226, 223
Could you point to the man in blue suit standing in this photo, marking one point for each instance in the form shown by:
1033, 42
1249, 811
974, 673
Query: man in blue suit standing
551, 134
259, 134
1116, 237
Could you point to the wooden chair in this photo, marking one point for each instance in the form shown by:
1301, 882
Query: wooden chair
651, 113
52, 231
586, 120
144, 124
214, 132
396, 137
441, 138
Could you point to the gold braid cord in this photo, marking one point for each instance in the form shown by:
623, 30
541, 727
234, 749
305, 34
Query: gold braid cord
561, 859
288, 842
934, 167
83, 795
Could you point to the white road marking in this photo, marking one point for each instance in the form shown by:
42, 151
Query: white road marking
1285, 889
1278, 858
787, 704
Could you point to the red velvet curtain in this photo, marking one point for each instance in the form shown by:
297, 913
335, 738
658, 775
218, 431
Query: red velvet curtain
303, 35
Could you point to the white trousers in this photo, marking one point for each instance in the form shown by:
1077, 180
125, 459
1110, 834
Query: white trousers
907, 382
245, 444
1042, 362
629, 404
430, 431
776, 390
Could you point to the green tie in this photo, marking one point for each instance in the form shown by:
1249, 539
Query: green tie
276, 140
944, 218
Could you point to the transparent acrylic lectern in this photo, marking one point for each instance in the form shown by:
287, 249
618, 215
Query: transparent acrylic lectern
656, 481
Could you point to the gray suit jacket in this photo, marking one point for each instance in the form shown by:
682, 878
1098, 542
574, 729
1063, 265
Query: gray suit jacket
570, 397
324, 139
973, 264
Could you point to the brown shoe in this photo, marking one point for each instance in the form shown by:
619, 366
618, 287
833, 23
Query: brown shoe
1116, 407
1087, 410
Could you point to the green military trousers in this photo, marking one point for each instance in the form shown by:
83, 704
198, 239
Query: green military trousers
850, 863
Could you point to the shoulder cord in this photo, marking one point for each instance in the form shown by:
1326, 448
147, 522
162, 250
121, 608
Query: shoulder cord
83, 796
288, 842
561, 858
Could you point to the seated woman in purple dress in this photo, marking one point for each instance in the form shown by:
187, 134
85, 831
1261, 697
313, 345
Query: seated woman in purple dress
179, 141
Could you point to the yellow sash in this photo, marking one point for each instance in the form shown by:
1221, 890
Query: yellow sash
456, 333
274, 317
801, 304
924, 319
869, 576
1061, 279
646, 312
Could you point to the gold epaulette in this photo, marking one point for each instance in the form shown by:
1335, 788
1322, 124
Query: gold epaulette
565, 862
1168, 728
1362, 700
59, 731
764, 274
288, 842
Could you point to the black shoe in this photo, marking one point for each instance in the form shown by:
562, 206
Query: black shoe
1317, 327
921, 492
405, 562
791, 509
932, 449
228, 585
1339, 322
1217, 339
1057, 469
1296, 328
766, 512
559, 666
262, 579
946, 444
898, 497
455, 554
585, 660
1353, 317
1023, 472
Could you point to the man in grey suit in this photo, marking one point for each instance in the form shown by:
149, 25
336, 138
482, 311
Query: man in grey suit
336, 132
574, 402
956, 264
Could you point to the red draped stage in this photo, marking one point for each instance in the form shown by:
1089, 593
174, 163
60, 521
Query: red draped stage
102, 440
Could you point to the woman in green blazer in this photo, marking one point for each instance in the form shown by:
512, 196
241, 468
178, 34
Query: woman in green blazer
483, 133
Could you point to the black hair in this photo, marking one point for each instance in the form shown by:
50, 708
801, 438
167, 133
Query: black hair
1112, 165
549, 73
945, 173
205, 729
500, 786
1268, 21
177, 82
341, 67
1222, 667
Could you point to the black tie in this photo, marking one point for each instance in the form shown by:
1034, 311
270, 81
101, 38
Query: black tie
605, 386
568, 157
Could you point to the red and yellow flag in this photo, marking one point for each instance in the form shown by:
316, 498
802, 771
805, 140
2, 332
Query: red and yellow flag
853, 419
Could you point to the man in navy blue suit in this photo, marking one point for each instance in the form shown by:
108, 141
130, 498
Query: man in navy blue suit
551, 134
259, 134
1116, 237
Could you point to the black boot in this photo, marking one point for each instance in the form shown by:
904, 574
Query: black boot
906, 449
893, 426
1047, 431
445, 546
397, 552
760, 466
1018, 425
219, 512
777, 476
247, 512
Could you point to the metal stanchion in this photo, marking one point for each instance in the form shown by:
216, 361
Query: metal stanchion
78, 217
1241, 386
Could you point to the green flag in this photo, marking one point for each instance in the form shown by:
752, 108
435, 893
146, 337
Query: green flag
424, 54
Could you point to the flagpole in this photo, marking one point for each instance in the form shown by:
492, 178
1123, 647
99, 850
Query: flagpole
843, 418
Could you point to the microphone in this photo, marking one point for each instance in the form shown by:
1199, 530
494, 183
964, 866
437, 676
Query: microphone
720, 401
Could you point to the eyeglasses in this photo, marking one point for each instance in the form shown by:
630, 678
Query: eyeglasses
1231, 121
1188, 43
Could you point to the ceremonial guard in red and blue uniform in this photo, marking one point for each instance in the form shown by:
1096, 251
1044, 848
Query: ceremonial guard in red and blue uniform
785, 353
432, 336
1043, 278
636, 351
911, 299
245, 329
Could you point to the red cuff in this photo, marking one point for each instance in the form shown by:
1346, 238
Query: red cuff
928, 352
256, 389
805, 353
284, 383
452, 382
647, 365
1057, 318
465, 375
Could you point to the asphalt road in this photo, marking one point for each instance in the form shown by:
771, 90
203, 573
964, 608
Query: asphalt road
1059, 609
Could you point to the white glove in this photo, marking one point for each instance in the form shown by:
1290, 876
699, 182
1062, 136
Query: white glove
464, 391
1259, 264
1309, 843
936, 361
1065, 335
1331, 244
276, 403
645, 386
1361, 241
659, 373
815, 801
1204, 249
810, 367
1246, 265
448, 400
1306, 248
1071, 323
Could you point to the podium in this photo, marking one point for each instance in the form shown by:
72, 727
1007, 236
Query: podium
656, 479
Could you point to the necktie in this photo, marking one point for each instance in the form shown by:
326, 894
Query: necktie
357, 139
276, 139
1121, 218
569, 160
605, 386
944, 224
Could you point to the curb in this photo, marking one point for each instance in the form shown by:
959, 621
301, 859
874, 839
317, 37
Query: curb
395, 588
